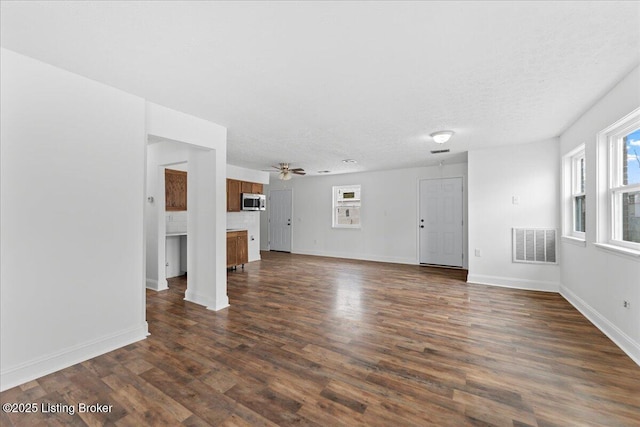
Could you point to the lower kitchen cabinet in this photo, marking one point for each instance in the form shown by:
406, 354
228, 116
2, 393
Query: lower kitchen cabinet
237, 248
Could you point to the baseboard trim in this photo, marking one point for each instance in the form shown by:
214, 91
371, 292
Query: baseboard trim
622, 340
220, 306
515, 283
29, 371
359, 257
154, 285
209, 303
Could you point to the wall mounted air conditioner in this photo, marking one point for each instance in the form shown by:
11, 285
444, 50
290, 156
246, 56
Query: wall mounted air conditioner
348, 195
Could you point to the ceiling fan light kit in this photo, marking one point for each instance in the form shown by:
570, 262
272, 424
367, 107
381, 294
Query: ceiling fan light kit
286, 173
442, 136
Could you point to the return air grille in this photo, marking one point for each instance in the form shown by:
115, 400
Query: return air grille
534, 245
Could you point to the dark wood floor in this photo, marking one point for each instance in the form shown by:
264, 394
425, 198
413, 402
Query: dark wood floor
328, 342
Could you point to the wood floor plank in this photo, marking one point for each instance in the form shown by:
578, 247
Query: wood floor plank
332, 342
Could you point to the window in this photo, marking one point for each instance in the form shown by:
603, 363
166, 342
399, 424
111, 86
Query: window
625, 187
346, 206
574, 194
619, 149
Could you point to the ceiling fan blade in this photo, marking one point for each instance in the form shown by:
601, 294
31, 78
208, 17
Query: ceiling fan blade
298, 172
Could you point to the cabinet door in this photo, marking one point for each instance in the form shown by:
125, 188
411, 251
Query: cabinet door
256, 188
243, 250
233, 195
246, 187
175, 190
232, 249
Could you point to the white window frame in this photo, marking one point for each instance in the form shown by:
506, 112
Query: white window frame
610, 188
352, 204
572, 190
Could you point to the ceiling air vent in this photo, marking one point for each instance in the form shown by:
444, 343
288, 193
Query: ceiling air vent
440, 151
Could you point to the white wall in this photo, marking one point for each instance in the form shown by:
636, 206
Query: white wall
176, 221
160, 154
530, 172
249, 175
249, 221
205, 150
389, 214
72, 195
173, 253
593, 280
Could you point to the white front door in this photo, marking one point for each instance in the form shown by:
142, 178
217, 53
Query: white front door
280, 220
440, 221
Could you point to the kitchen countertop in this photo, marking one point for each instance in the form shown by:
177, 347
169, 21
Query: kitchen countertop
184, 233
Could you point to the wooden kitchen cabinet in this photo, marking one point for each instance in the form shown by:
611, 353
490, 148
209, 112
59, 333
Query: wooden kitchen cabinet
246, 187
243, 248
237, 248
256, 188
235, 188
175, 190
233, 195
232, 249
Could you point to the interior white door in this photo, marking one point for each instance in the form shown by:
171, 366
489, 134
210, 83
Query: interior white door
440, 223
280, 220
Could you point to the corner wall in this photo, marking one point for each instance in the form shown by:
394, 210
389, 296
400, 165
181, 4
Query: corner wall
596, 281
207, 198
529, 172
72, 187
72, 191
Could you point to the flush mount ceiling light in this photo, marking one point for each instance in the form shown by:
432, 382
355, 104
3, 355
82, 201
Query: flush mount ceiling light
442, 136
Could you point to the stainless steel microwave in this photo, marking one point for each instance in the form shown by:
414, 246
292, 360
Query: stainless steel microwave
254, 202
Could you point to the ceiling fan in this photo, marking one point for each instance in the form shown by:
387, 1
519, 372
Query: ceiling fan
286, 173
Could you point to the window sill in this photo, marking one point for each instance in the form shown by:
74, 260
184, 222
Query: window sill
618, 250
574, 241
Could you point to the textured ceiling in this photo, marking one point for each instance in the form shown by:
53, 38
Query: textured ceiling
313, 83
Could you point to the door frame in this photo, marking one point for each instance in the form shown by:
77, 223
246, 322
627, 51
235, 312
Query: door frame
465, 219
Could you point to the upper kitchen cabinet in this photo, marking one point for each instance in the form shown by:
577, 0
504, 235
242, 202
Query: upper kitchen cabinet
235, 188
256, 188
233, 195
246, 187
175, 188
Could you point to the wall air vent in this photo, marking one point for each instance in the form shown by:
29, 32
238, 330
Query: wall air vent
440, 151
534, 245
